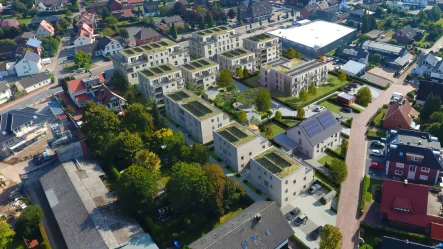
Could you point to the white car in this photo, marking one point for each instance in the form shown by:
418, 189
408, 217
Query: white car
314, 188
319, 108
376, 153
329, 59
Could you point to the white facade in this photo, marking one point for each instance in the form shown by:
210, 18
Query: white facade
237, 153
132, 60
242, 58
83, 40
43, 30
156, 85
266, 47
279, 176
197, 125
5, 94
200, 73
210, 42
28, 65
113, 47
292, 76
38, 85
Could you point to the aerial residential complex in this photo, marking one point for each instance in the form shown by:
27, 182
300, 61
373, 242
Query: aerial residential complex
239, 57
280, 176
292, 76
132, 60
200, 73
210, 42
266, 47
197, 116
236, 145
157, 81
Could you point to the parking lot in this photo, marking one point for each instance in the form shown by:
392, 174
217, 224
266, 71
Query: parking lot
317, 213
375, 172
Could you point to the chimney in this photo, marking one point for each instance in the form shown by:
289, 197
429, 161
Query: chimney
258, 217
406, 182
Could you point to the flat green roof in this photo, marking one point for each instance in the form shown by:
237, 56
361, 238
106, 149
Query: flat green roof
163, 69
193, 104
236, 53
236, 134
212, 31
198, 65
277, 162
261, 37
148, 48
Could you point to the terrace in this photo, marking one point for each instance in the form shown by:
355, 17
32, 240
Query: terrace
193, 104
213, 31
277, 162
198, 65
236, 53
158, 71
261, 38
148, 48
236, 134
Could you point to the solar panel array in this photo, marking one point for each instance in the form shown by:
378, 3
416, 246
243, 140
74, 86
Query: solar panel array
197, 108
326, 119
234, 53
259, 37
278, 160
237, 132
312, 127
228, 136
178, 96
303, 68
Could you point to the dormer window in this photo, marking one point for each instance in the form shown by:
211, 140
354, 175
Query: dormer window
402, 209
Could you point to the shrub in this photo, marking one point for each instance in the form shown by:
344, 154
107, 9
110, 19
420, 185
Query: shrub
379, 231
366, 183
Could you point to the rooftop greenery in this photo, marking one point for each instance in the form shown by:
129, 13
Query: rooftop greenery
198, 65
236, 134
261, 37
155, 72
213, 31
148, 48
236, 53
193, 104
277, 162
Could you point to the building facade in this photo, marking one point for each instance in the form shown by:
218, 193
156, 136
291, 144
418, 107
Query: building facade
196, 116
400, 114
157, 81
237, 58
210, 42
266, 47
45, 29
200, 73
280, 176
236, 145
132, 60
292, 76
5, 92
29, 64
34, 82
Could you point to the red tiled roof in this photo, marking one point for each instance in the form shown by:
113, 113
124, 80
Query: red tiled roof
437, 231
413, 197
104, 95
86, 28
9, 23
403, 107
47, 26
76, 86
82, 97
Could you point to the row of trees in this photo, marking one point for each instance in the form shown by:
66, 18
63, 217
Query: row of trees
431, 116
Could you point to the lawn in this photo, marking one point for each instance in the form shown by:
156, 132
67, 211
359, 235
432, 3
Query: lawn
326, 159
69, 68
276, 129
227, 216
290, 122
423, 42
376, 133
253, 81
332, 107
368, 196
212, 152
390, 33
378, 120
24, 20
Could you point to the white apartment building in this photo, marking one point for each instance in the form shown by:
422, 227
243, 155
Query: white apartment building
236, 145
292, 76
210, 42
157, 81
200, 73
132, 60
280, 176
239, 57
265, 46
198, 117
29, 64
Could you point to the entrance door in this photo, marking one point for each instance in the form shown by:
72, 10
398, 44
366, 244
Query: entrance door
411, 172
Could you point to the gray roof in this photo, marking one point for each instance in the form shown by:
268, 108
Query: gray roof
403, 60
103, 42
390, 243
383, 47
33, 80
31, 56
38, 19
272, 230
353, 67
408, 31
167, 20
16, 118
429, 58
3, 85
283, 140
146, 34
87, 48
324, 133
438, 66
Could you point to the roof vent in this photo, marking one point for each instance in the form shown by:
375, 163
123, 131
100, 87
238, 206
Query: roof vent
35, 117
405, 182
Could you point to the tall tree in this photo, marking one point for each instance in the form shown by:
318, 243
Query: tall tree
330, 237
261, 24
338, 171
239, 72
123, 32
159, 121
239, 17
242, 117
106, 13
263, 101
245, 73
110, 21
137, 119
291, 53
269, 19
225, 78
292, 13
28, 222
189, 188
179, 8
127, 145
198, 154
233, 192
300, 113
81, 59
6, 233
119, 82
217, 178
173, 31
201, 24
267, 131
231, 14
341, 76
136, 189
210, 21
303, 95
432, 104
364, 96
148, 160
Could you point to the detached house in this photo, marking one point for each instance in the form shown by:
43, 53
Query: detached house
413, 155
88, 18
5, 92
31, 44
23, 38
300, 3
406, 35
85, 35
29, 64
45, 29
9, 23
400, 115
425, 64
146, 35
151, 9
256, 11
309, 9
33, 83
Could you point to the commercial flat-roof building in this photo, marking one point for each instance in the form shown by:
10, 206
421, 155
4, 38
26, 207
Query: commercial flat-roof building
280, 176
239, 57
132, 60
210, 42
197, 116
265, 46
398, 56
236, 144
291, 76
157, 81
315, 38
354, 68
200, 73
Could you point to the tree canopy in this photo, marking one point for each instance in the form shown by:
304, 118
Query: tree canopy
28, 222
263, 101
6, 233
364, 96
239, 72
432, 104
119, 82
225, 78
300, 113
338, 171
330, 237
81, 59
137, 119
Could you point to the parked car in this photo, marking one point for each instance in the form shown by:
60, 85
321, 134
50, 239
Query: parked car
336, 61
354, 85
301, 219
314, 188
376, 153
348, 88
339, 118
316, 233
329, 59
377, 144
319, 108
376, 165
346, 109
37, 160
48, 71
292, 214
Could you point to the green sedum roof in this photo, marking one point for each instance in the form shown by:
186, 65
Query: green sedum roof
158, 71
199, 64
261, 37
150, 48
236, 134
236, 53
277, 162
213, 31
193, 104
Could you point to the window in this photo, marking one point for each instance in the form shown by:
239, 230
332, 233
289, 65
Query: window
295, 193
424, 169
264, 173
399, 165
424, 177
294, 181
398, 172
250, 153
242, 158
286, 182
286, 199
243, 165
286, 190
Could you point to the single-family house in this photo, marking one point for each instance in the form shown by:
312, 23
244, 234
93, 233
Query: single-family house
45, 29
29, 64
151, 9
124, 14
300, 3
12, 22
89, 18
5, 92
35, 22
89, 49
400, 114
255, 11
168, 20
353, 53
23, 38
358, 14
425, 64
114, 5
405, 35
96, 7
33, 83
146, 35
33, 45
50, 5
309, 9
7, 68
85, 35
108, 46
9, 52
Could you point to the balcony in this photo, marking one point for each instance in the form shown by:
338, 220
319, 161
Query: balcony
179, 51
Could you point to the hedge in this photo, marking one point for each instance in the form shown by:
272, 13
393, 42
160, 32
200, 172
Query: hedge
380, 231
371, 121
345, 124
325, 181
344, 135
364, 189
334, 153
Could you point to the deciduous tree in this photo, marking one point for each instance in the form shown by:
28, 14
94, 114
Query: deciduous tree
303, 95
231, 14
341, 76
344, 147
28, 222
242, 117
137, 119
70, 110
432, 104
263, 101
330, 237
119, 82
198, 154
81, 59
278, 115
245, 73
6, 233
225, 78
127, 144
239, 72
148, 160
301, 113
364, 96
338, 171
123, 33
267, 131
291, 53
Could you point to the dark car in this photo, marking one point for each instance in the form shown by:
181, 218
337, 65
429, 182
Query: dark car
301, 219
37, 160
377, 144
347, 109
348, 88
354, 85
292, 214
316, 233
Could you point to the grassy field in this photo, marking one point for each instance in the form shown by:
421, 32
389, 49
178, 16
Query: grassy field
276, 129
326, 159
290, 122
390, 33
332, 107
379, 118
253, 81
377, 133
368, 196
423, 42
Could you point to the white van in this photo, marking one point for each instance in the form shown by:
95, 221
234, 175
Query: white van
46, 61
396, 95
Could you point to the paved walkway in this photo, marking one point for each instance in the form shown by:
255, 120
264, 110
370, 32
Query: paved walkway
347, 219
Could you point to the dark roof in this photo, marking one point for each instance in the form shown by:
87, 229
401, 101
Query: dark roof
150, 6
391, 243
260, 8
97, 4
268, 232
103, 95
34, 79
358, 12
329, 14
16, 118
430, 160
408, 31
3, 85
427, 87
8, 49
38, 19
87, 48
354, 52
167, 20
146, 34
103, 42
429, 58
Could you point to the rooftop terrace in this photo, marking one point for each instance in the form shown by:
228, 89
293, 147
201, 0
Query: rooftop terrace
236, 134
261, 37
236, 53
193, 104
198, 65
414, 138
216, 30
293, 67
148, 48
277, 162
155, 72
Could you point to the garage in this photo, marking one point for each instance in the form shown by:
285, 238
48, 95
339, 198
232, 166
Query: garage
346, 98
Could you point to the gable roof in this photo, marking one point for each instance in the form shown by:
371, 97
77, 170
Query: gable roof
146, 34
24, 35
408, 31
398, 152
87, 48
103, 95
44, 24
355, 52
429, 58
16, 118
245, 228
103, 42
260, 8
316, 6
33, 80
30, 56
152, 6
12, 22
390, 243
406, 203
168, 20
76, 85
401, 107
34, 43
97, 4
38, 19
322, 129
427, 88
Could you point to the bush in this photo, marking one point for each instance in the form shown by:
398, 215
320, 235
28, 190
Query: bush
113, 173
380, 231
366, 183
333, 153
344, 135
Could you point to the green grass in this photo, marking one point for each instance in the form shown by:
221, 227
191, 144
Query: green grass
212, 152
379, 133
439, 22
252, 81
276, 129
231, 170
330, 53
368, 196
69, 68
369, 241
338, 150
332, 107
251, 186
390, 34
378, 120
326, 159
290, 122
423, 42
227, 216
24, 20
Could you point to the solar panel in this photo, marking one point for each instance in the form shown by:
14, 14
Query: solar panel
312, 127
326, 120
237, 132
